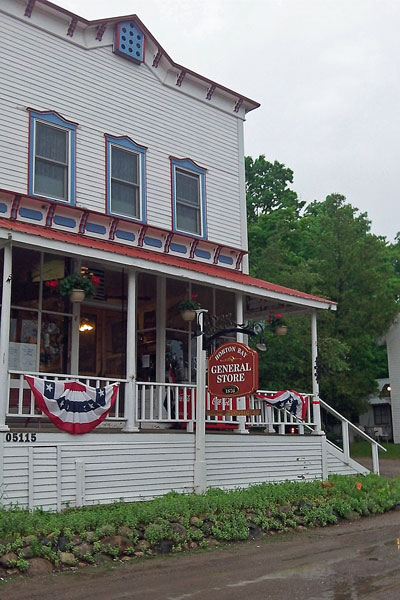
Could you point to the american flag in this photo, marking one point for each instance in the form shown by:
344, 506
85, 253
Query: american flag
71, 405
294, 402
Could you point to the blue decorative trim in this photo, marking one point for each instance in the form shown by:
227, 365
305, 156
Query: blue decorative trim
227, 260
128, 144
53, 118
3, 207
28, 213
150, 241
130, 41
188, 165
203, 254
94, 228
178, 248
125, 235
64, 221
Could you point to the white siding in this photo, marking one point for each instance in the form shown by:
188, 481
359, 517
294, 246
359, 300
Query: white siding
238, 461
337, 466
105, 93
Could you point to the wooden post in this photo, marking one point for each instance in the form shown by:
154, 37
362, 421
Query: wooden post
315, 385
200, 467
130, 389
375, 459
5, 335
241, 402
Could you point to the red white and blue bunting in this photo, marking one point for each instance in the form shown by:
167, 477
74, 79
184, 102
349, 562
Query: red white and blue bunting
294, 402
73, 406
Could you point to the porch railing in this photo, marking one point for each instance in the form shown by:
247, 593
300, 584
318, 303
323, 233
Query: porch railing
175, 403
346, 426
21, 402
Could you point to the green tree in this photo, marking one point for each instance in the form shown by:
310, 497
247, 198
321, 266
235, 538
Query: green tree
328, 251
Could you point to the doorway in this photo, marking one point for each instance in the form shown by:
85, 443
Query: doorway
102, 349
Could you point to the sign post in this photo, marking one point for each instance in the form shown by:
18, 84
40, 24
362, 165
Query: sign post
200, 467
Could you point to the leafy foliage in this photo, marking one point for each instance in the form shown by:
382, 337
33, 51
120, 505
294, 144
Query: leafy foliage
325, 249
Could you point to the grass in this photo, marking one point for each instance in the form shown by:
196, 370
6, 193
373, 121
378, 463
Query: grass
363, 449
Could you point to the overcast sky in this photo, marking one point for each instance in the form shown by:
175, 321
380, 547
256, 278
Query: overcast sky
327, 75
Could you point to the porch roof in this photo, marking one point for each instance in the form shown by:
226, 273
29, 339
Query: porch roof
263, 294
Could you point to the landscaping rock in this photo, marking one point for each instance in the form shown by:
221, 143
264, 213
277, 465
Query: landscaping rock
62, 543
106, 530
117, 540
39, 566
254, 532
193, 545
179, 529
27, 552
90, 536
195, 521
102, 559
29, 539
7, 558
126, 531
139, 554
83, 549
67, 559
142, 546
352, 515
164, 547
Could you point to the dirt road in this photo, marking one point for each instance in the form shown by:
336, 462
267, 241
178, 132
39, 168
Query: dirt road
349, 561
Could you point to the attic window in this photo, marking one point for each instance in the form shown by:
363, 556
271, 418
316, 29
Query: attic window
130, 41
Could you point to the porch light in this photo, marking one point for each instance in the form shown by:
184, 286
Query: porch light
86, 325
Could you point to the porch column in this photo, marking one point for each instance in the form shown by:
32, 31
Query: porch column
130, 389
160, 333
5, 335
200, 466
315, 385
241, 402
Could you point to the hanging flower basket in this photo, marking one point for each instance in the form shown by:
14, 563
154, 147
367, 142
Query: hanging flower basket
277, 325
188, 315
76, 286
281, 330
188, 306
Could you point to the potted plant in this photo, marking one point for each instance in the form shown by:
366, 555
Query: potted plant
77, 286
277, 324
188, 306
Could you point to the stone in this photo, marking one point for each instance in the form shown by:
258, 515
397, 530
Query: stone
7, 558
139, 554
178, 529
29, 539
67, 559
81, 565
12, 571
102, 559
193, 545
255, 532
195, 521
164, 547
27, 552
39, 566
352, 515
126, 531
143, 545
90, 536
83, 549
117, 541
126, 558
62, 543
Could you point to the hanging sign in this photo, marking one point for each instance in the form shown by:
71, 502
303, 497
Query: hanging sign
233, 371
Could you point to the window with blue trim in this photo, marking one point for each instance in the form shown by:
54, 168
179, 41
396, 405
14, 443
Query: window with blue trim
52, 157
188, 191
125, 178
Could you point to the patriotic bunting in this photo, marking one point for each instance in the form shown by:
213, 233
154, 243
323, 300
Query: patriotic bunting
294, 402
71, 405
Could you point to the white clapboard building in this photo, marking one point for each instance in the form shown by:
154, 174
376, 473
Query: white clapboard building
117, 163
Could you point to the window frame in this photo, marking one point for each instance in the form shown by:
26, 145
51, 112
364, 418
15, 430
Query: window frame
189, 166
53, 119
127, 144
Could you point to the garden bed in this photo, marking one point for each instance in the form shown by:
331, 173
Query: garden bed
39, 542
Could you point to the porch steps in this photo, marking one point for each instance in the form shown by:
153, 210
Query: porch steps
339, 465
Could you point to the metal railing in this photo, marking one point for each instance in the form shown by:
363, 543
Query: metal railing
21, 401
346, 426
